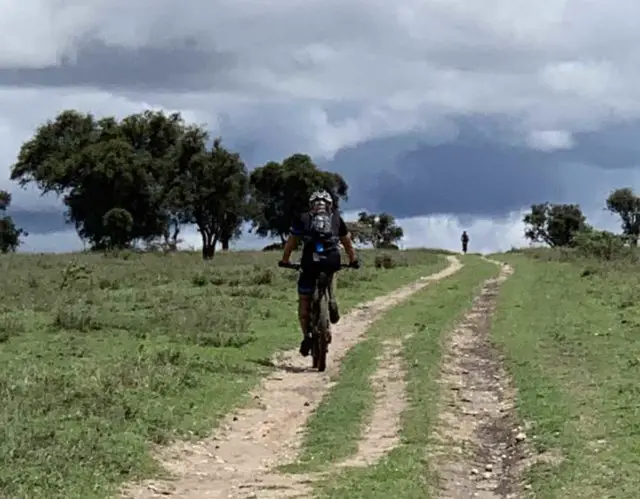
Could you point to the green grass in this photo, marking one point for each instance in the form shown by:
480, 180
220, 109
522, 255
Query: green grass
333, 430
100, 357
570, 332
429, 315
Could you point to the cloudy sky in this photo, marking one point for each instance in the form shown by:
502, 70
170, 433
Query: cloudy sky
449, 114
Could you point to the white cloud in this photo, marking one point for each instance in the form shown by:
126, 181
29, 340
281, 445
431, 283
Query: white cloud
571, 63
550, 140
331, 74
443, 231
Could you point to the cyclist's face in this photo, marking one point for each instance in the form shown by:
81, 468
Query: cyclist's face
320, 205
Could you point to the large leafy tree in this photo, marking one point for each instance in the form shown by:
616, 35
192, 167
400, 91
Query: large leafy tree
624, 203
101, 165
554, 224
281, 191
9, 233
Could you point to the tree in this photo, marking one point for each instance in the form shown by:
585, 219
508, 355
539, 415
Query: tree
624, 203
9, 233
211, 191
280, 191
99, 165
118, 224
359, 233
230, 229
554, 224
381, 231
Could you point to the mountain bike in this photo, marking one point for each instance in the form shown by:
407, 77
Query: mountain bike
318, 327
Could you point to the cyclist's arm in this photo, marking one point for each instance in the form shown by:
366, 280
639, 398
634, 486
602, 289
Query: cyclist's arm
289, 246
292, 242
345, 239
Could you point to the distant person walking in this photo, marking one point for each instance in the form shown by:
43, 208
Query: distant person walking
465, 241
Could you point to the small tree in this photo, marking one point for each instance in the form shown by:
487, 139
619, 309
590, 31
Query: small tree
118, 226
280, 191
9, 233
359, 233
211, 192
554, 224
624, 203
381, 231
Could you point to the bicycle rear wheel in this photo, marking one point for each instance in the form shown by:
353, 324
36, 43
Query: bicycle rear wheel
321, 324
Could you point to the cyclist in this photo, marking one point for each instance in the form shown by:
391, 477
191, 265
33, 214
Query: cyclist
465, 241
320, 229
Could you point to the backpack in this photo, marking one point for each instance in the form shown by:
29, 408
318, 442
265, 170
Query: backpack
324, 237
321, 226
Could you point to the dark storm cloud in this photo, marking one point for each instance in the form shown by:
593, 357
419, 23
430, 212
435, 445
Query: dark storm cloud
616, 146
480, 173
473, 174
178, 66
460, 178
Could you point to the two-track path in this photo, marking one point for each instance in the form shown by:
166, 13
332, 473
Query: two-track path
238, 460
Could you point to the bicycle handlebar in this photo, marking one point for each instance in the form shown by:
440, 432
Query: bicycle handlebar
296, 266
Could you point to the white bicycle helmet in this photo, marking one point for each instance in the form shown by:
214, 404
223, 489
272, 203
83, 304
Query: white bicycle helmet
320, 196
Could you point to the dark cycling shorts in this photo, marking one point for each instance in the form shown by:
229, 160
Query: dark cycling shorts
307, 280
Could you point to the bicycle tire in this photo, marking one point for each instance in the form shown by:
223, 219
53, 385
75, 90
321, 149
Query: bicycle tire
321, 326
313, 321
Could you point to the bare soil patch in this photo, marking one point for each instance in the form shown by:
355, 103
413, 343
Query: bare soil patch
481, 447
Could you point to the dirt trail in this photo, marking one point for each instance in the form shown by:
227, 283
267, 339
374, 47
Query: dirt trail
382, 433
235, 462
480, 445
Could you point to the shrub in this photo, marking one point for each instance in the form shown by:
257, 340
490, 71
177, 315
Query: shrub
385, 261
601, 244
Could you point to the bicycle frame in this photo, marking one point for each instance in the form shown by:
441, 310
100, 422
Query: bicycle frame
319, 317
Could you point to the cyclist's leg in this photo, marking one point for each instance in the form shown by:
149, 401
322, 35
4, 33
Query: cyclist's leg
306, 282
334, 311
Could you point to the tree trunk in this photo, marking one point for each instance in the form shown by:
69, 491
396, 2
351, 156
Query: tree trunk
208, 245
225, 244
208, 251
174, 237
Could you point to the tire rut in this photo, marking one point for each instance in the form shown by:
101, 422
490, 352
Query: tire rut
236, 462
479, 441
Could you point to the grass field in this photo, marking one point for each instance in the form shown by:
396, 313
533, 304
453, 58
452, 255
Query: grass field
100, 357
571, 333
103, 357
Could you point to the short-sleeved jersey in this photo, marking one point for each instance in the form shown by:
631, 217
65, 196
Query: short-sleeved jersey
302, 228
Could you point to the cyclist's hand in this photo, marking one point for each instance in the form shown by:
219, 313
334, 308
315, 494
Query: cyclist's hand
355, 264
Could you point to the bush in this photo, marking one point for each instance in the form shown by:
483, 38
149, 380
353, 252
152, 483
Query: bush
601, 244
388, 246
274, 247
385, 261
